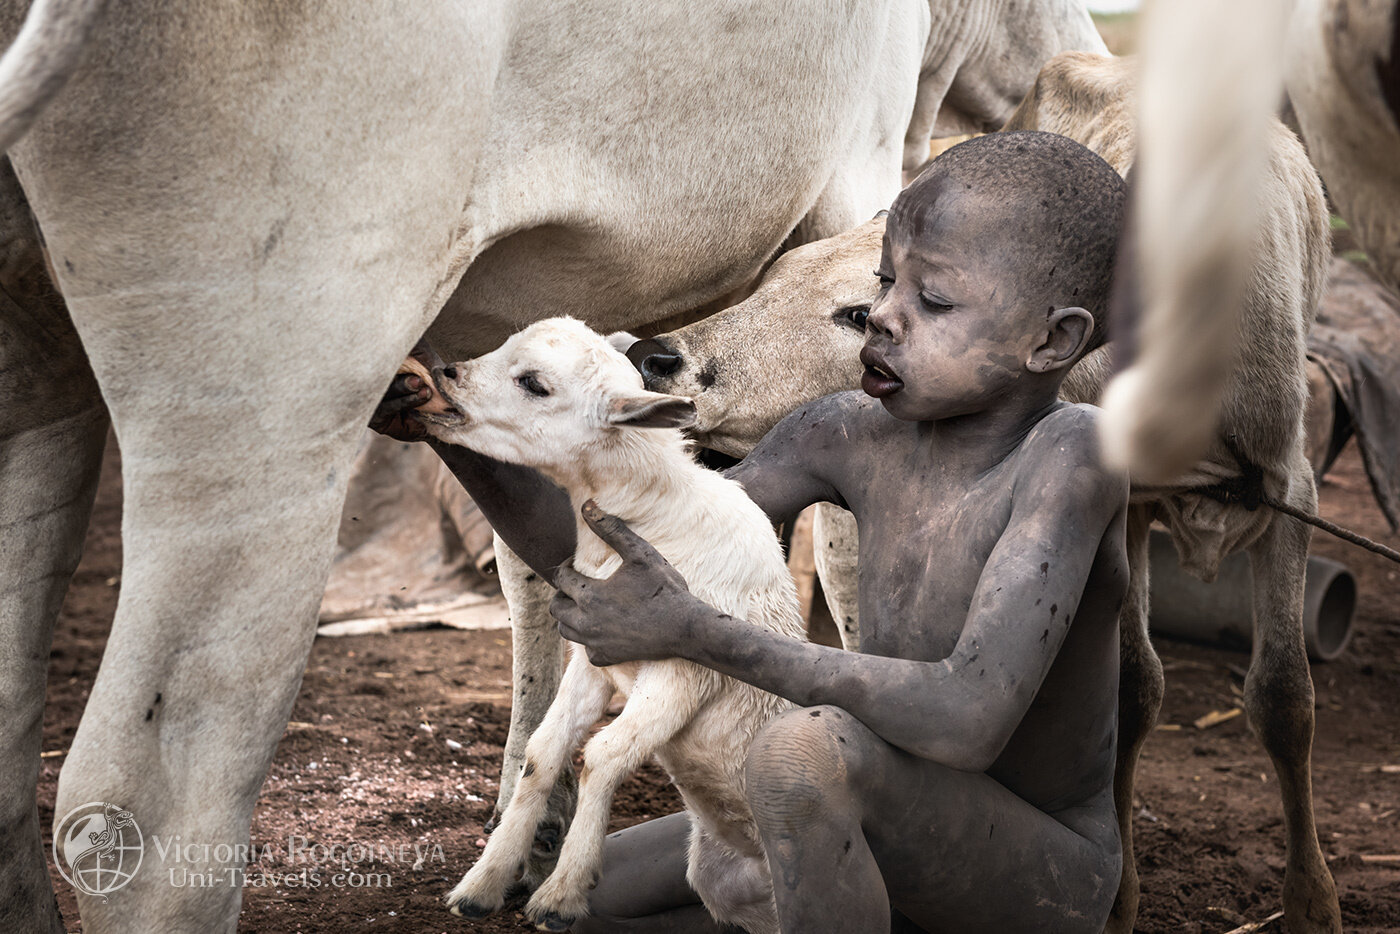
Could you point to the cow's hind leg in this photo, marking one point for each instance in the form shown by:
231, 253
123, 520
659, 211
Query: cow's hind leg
227, 544
1140, 688
1278, 696
52, 428
537, 653
836, 550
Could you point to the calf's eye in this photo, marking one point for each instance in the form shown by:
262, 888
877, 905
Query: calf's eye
531, 384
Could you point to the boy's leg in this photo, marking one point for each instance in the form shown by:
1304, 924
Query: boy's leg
642, 886
852, 825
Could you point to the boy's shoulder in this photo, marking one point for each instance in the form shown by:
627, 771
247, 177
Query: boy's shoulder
843, 414
1064, 447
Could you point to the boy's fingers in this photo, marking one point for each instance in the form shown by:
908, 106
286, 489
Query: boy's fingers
611, 529
566, 612
395, 405
570, 582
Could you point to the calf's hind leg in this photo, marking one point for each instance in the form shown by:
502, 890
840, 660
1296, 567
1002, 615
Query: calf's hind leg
1278, 696
1140, 688
52, 429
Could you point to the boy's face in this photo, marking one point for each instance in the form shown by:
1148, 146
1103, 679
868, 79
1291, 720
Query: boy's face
949, 332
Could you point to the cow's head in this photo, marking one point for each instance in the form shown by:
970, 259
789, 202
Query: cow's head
795, 339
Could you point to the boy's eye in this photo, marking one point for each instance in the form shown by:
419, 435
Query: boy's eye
854, 316
934, 303
532, 385
886, 280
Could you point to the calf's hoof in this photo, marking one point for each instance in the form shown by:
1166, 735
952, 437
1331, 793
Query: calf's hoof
550, 921
470, 910
547, 840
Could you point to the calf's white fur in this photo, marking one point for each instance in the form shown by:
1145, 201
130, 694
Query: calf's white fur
559, 398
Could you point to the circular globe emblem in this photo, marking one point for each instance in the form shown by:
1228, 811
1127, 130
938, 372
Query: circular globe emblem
97, 847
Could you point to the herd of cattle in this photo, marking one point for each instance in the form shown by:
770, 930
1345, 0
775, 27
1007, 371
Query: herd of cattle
249, 212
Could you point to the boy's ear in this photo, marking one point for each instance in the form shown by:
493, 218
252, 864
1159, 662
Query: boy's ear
1066, 336
644, 409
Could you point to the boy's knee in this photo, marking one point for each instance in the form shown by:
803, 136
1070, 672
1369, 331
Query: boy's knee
799, 769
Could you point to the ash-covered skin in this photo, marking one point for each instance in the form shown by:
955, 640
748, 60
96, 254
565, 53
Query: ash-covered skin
958, 770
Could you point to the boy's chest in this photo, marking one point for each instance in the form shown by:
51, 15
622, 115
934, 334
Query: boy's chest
922, 552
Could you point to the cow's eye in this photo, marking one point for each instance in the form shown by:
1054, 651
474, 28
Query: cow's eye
853, 316
531, 384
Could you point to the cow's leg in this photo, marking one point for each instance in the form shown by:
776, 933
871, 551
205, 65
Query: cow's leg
836, 549
538, 656
227, 540
612, 755
52, 428
1140, 687
583, 698
1278, 696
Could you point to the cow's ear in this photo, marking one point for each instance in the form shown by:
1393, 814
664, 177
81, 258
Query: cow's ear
651, 410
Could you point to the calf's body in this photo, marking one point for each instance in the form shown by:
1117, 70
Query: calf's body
557, 398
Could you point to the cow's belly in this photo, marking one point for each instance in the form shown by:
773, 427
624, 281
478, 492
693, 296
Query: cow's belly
550, 271
659, 173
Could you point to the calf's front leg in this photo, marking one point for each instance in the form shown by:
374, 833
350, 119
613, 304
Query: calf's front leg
663, 700
538, 664
582, 699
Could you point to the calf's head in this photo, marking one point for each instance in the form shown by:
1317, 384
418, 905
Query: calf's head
547, 397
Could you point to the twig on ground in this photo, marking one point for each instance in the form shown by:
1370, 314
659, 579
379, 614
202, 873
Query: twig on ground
1253, 926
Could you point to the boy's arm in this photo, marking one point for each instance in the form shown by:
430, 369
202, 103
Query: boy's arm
960, 711
789, 469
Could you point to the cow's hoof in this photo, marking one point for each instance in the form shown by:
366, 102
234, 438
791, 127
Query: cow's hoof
470, 910
550, 921
491, 824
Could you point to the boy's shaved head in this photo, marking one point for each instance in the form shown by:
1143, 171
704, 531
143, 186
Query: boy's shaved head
1050, 208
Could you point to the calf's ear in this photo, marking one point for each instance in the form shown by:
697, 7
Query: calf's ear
651, 410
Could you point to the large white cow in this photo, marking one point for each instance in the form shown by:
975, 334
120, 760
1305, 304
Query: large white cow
254, 208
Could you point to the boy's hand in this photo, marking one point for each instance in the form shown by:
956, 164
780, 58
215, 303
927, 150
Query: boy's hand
641, 613
394, 415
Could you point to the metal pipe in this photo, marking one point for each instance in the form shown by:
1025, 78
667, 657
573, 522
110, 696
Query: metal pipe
1222, 612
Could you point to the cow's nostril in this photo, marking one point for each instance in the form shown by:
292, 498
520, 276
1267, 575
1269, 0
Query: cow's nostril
660, 364
450, 372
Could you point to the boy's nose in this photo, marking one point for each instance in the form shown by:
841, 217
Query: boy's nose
450, 372
883, 321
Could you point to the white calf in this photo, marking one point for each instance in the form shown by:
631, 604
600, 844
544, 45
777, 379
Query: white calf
558, 398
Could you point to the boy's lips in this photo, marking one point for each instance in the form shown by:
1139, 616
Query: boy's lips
878, 381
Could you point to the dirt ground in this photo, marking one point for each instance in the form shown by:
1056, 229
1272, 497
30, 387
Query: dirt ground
371, 758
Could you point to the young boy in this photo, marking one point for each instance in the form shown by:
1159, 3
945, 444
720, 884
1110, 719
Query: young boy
955, 774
